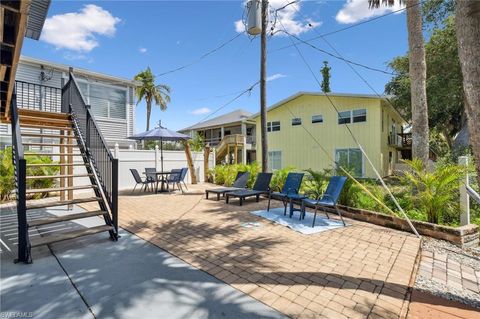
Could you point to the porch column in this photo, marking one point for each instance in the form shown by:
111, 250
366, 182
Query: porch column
222, 132
244, 150
243, 128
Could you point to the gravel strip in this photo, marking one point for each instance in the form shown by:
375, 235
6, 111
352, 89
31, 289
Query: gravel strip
435, 288
468, 257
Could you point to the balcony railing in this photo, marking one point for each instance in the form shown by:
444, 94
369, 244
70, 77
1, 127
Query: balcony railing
403, 140
38, 97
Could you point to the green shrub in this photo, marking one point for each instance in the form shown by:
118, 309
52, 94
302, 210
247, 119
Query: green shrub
225, 174
315, 183
434, 193
7, 182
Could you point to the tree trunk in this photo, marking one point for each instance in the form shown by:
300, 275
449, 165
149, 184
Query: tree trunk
149, 110
206, 156
418, 75
263, 87
191, 168
467, 23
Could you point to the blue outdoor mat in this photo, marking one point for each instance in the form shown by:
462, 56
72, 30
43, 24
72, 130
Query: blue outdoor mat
303, 226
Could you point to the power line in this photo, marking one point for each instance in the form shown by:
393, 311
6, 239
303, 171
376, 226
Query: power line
203, 56
339, 57
247, 90
350, 26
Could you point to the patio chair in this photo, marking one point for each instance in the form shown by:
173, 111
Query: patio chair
183, 174
291, 187
139, 180
261, 186
151, 174
174, 178
240, 182
329, 198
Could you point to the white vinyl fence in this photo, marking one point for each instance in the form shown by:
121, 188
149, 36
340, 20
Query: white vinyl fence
140, 159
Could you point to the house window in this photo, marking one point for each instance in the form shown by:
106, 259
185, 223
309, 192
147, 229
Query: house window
296, 121
350, 159
359, 115
275, 160
355, 116
344, 117
105, 101
317, 119
273, 126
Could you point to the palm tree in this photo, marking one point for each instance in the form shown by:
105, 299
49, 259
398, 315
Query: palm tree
148, 90
467, 23
418, 75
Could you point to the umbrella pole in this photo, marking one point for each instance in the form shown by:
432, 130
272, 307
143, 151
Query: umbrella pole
161, 152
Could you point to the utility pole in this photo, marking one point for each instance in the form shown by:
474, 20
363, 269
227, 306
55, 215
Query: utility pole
263, 86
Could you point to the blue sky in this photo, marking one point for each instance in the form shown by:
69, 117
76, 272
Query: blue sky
123, 37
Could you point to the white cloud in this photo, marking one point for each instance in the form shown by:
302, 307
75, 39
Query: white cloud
200, 111
77, 31
142, 50
358, 10
275, 76
288, 17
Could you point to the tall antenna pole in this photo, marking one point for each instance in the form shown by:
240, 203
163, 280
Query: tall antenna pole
263, 87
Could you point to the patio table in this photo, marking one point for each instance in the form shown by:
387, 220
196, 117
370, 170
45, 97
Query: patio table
291, 200
163, 179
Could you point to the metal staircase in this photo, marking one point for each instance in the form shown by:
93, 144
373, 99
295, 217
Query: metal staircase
71, 133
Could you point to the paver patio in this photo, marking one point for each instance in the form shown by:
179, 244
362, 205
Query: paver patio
359, 271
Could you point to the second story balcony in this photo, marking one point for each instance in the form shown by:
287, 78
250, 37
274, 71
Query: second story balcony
38, 97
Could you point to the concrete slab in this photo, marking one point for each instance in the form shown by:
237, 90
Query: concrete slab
130, 278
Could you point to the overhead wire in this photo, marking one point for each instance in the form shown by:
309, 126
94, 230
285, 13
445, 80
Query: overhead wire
356, 142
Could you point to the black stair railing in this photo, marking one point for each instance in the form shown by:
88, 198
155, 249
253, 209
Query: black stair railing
96, 150
20, 168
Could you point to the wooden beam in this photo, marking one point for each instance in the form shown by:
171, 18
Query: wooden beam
2, 19
3, 71
22, 25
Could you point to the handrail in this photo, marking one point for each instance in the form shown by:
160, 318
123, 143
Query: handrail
20, 167
473, 194
105, 166
39, 97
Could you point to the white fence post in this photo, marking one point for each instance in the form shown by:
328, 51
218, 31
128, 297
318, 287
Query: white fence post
116, 151
464, 197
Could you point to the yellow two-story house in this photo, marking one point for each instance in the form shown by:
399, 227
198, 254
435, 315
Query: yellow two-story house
306, 131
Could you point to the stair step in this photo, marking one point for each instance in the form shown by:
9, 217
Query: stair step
52, 154
47, 127
66, 202
48, 190
58, 219
43, 114
48, 135
50, 144
50, 121
56, 164
70, 235
58, 176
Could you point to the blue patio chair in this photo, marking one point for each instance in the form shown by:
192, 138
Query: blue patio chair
183, 174
151, 174
261, 186
329, 198
174, 178
139, 180
240, 183
291, 187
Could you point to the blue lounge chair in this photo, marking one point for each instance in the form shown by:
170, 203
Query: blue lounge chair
261, 186
240, 183
329, 198
291, 187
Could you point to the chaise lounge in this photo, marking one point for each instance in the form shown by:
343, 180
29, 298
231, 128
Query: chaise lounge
261, 186
239, 184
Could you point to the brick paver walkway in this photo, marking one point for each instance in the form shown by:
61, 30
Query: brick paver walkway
359, 271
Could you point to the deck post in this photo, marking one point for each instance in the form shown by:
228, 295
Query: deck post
62, 166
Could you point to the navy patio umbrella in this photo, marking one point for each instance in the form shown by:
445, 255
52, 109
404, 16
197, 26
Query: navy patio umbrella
161, 134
